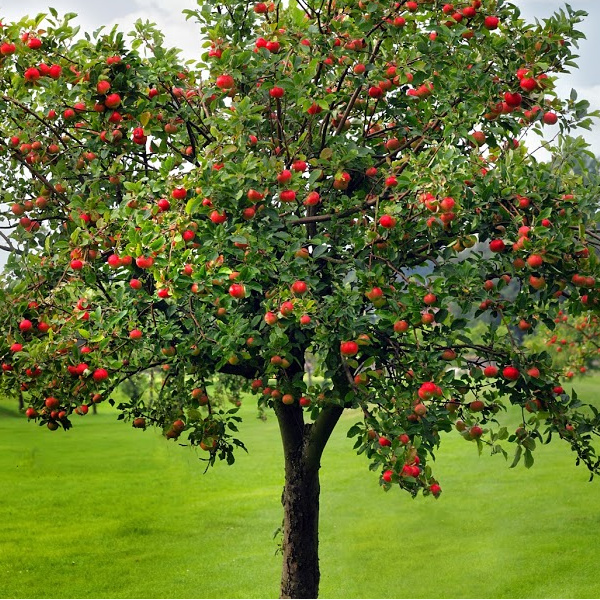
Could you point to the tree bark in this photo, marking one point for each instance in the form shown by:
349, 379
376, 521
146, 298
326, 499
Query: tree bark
303, 446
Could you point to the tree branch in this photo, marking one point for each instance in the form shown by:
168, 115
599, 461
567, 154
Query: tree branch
320, 432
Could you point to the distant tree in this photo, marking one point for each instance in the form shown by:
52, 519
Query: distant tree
306, 186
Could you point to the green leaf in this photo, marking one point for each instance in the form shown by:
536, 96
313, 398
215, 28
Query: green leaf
517, 458
528, 459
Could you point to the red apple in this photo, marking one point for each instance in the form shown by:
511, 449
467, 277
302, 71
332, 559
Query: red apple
511, 373
112, 100
237, 290
276, 92
387, 221
225, 82
491, 22
100, 375
349, 348
299, 288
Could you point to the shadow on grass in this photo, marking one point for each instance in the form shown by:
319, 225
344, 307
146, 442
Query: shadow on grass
10, 413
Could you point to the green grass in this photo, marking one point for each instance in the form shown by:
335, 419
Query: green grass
107, 511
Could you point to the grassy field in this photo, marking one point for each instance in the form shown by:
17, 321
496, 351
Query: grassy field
108, 511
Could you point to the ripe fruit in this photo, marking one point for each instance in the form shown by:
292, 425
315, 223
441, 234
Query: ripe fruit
270, 318
528, 84
420, 410
218, 218
55, 71
535, 261
287, 308
387, 221
114, 261
491, 22
299, 166
237, 290
103, 86
287, 399
537, 283
383, 441
284, 177
475, 432
31, 74
254, 196
287, 196
477, 405
225, 82
435, 489
112, 101
497, 246
144, 262
387, 476
400, 326
448, 354
135, 334
375, 92
374, 294
299, 287
490, 371
511, 373
305, 320
430, 299
349, 348
51, 403
550, 118
163, 204
276, 92
25, 325
513, 99
100, 375
179, 193
7, 48
31, 413
135, 284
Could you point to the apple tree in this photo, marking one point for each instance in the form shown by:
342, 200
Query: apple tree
352, 180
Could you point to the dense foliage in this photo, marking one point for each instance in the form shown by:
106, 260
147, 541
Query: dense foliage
322, 180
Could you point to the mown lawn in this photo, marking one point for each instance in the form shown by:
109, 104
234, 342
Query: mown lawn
105, 511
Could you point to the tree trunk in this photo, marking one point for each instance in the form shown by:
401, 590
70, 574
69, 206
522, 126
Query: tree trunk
303, 446
300, 574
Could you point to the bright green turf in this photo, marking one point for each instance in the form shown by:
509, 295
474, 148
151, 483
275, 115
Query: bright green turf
106, 511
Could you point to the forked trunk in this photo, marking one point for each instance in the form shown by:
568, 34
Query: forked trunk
303, 446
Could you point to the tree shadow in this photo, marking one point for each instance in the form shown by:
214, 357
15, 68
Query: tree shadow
9, 413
